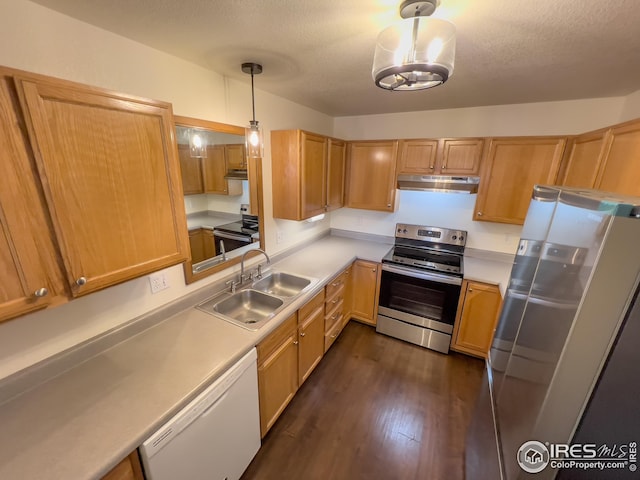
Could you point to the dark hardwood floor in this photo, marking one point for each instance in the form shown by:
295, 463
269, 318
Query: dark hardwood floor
374, 408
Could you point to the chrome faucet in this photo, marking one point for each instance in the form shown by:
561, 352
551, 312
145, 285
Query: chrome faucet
259, 266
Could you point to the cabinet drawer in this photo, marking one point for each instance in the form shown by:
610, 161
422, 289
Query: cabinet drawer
335, 285
333, 316
276, 338
332, 334
310, 306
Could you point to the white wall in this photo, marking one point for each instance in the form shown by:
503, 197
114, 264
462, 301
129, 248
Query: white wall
455, 210
37, 39
631, 108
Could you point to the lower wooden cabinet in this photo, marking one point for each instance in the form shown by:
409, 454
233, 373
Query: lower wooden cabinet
277, 372
127, 469
311, 336
364, 295
476, 319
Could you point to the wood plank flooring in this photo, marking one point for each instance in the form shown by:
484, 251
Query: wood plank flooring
374, 408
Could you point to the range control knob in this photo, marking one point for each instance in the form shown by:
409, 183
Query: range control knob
461, 238
454, 237
404, 231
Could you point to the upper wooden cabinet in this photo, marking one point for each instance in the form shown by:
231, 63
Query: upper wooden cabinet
307, 174
446, 156
109, 170
511, 167
583, 160
236, 157
371, 175
214, 169
191, 169
620, 165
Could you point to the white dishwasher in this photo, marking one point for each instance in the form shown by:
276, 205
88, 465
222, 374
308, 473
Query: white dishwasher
215, 436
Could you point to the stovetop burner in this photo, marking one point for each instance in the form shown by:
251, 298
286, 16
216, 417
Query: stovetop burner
428, 248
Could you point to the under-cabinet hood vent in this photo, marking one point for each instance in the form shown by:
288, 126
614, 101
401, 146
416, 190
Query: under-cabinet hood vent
438, 183
236, 175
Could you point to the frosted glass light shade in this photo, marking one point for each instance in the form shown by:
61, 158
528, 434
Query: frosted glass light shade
253, 140
197, 144
414, 54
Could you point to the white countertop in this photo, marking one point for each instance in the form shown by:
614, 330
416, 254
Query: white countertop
488, 267
83, 422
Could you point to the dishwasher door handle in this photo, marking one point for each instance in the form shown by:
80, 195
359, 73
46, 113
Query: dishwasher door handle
212, 407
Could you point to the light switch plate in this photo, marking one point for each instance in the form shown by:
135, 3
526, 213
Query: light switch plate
158, 282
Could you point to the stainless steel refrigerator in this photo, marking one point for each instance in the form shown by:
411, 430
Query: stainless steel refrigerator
564, 366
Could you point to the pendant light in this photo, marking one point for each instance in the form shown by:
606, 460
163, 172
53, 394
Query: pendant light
416, 53
197, 144
253, 133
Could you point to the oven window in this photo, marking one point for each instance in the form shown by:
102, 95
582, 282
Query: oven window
423, 298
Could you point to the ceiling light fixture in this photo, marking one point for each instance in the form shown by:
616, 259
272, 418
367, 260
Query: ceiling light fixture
417, 52
197, 144
253, 133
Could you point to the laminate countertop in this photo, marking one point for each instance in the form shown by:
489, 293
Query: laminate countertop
81, 423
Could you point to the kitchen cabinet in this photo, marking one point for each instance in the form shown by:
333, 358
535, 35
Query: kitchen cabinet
365, 292
348, 295
334, 308
311, 336
201, 243
31, 276
109, 176
446, 156
128, 469
307, 174
620, 169
476, 318
583, 160
235, 157
191, 169
510, 169
371, 175
214, 169
277, 372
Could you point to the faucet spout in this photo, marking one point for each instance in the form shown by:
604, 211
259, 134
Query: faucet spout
242, 261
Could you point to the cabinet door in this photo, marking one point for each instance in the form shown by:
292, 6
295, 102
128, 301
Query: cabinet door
208, 243
127, 469
417, 157
196, 245
110, 175
31, 278
510, 170
311, 347
277, 372
214, 169
461, 156
335, 174
236, 158
583, 161
477, 316
191, 170
620, 171
371, 181
313, 175
348, 295
365, 278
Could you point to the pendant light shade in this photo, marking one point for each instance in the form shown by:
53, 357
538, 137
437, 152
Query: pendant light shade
197, 144
417, 52
253, 133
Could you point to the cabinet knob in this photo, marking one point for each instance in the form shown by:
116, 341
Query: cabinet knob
470, 290
431, 167
374, 270
302, 334
41, 292
479, 214
295, 342
388, 205
334, 335
444, 167
81, 281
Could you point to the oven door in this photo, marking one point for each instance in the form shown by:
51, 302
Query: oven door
420, 298
231, 240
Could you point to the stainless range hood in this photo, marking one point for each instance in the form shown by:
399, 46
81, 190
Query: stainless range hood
438, 183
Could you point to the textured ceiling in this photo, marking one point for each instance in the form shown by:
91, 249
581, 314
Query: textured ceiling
319, 52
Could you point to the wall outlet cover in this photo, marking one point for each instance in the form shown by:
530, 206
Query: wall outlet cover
158, 282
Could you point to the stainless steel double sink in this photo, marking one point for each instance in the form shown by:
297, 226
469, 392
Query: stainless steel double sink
257, 303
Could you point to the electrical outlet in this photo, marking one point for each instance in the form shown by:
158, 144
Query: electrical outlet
278, 236
158, 282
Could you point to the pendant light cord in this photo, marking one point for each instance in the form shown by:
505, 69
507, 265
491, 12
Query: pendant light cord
253, 101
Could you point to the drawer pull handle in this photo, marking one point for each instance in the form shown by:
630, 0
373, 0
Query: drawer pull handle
41, 292
81, 281
302, 334
295, 342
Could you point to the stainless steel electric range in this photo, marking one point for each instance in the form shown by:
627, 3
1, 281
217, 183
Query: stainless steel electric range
420, 285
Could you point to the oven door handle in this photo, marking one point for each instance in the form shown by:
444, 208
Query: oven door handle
409, 272
231, 236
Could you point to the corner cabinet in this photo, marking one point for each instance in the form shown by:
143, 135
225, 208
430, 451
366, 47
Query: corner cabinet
620, 169
476, 318
365, 278
371, 175
445, 156
510, 169
127, 469
583, 160
307, 174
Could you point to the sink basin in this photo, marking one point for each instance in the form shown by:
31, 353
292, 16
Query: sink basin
248, 307
282, 284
